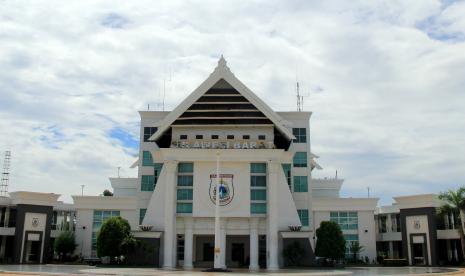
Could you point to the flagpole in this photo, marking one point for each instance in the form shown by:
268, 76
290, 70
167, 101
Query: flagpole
217, 262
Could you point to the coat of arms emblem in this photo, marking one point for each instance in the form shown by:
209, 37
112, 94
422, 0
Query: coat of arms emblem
35, 222
226, 188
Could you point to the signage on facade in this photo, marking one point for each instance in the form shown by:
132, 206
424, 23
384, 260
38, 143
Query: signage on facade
222, 145
226, 188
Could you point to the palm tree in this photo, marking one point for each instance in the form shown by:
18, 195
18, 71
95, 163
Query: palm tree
455, 201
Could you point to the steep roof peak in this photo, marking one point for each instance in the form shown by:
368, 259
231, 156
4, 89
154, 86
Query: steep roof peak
222, 65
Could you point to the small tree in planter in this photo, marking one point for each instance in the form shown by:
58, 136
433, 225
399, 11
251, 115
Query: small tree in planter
114, 238
355, 249
330, 241
64, 244
293, 254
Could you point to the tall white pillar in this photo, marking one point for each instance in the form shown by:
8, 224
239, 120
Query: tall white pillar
223, 243
391, 249
188, 242
254, 244
272, 217
169, 240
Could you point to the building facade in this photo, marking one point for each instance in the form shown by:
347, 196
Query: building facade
263, 161
268, 197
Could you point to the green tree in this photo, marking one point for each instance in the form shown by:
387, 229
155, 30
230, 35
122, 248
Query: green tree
64, 244
455, 201
330, 242
113, 237
107, 192
355, 248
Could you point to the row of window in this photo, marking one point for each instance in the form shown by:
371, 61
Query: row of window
346, 220
99, 217
258, 188
184, 192
299, 133
215, 137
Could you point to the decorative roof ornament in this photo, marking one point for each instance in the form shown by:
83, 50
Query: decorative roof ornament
222, 64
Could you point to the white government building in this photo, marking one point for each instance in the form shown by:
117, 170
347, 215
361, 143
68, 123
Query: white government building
268, 191
267, 196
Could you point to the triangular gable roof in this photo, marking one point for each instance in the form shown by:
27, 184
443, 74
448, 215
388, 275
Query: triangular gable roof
222, 71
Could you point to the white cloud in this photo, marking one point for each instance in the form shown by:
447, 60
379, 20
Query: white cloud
385, 80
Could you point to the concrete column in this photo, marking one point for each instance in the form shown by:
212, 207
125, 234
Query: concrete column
272, 217
188, 242
391, 249
169, 240
7, 217
449, 250
388, 223
223, 243
254, 244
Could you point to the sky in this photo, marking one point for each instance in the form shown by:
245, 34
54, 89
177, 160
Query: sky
385, 81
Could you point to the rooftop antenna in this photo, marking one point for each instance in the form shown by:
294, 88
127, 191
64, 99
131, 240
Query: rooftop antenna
119, 168
368, 190
300, 98
82, 190
148, 107
164, 91
5, 174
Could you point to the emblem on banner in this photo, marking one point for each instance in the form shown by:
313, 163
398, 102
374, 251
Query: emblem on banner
226, 188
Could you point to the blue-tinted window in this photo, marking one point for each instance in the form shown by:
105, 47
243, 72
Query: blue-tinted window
184, 194
287, 174
258, 208
300, 184
258, 180
346, 220
184, 208
147, 183
185, 180
185, 168
300, 135
147, 158
142, 215
258, 167
148, 132
300, 159
303, 215
256, 194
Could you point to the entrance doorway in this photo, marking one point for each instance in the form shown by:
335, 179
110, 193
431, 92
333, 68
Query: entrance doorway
32, 250
418, 249
237, 251
204, 250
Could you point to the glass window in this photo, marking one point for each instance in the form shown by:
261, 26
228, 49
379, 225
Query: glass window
257, 194
99, 218
183, 208
148, 132
287, 174
142, 215
246, 137
183, 137
300, 184
185, 167
346, 220
300, 135
261, 137
147, 183
214, 137
184, 194
198, 136
147, 158
258, 208
300, 159
303, 215
258, 181
230, 137
350, 238
258, 167
185, 180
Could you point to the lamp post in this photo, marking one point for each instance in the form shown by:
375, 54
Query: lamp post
217, 261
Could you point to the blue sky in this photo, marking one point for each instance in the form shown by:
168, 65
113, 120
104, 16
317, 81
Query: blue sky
385, 80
